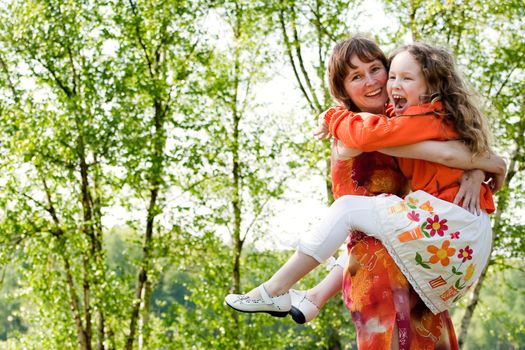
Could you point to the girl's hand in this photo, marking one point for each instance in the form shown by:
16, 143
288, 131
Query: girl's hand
343, 153
322, 132
470, 186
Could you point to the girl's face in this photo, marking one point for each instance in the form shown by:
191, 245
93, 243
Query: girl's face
406, 83
365, 85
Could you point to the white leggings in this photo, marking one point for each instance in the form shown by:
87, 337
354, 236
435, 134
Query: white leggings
348, 213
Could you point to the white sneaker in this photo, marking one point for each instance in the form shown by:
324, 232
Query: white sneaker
303, 309
278, 306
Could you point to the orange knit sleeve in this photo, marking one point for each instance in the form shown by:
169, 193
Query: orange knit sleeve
369, 132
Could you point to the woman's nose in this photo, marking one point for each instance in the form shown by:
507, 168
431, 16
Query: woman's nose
369, 79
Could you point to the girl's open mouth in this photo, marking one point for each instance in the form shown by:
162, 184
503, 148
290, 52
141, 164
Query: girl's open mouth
400, 103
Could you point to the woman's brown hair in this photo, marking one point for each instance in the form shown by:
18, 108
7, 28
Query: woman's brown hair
445, 84
339, 65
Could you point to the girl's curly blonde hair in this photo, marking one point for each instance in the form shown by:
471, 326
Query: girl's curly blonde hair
445, 84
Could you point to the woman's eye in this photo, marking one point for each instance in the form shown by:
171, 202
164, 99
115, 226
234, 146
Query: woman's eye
356, 77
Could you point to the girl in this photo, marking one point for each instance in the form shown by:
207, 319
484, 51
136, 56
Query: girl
440, 247
415, 230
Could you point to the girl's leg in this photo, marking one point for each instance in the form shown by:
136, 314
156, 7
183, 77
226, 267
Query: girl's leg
330, 285
307, 304
290, 273
347, 213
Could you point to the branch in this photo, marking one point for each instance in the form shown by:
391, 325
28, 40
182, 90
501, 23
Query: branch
139, 37
59, 82
9, 81
505, 81
70, 54
156, 168
299, 55
75, 75
321, 55
317, 23
259, 213
51, 208
292, 61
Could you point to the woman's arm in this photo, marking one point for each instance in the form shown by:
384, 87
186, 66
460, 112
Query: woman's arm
454, 154
344, 153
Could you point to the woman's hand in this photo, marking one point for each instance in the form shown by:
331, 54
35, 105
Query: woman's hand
498, 178
470, 186
322, 132
496, 182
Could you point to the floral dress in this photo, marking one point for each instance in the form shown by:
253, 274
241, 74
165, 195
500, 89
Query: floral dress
375, 291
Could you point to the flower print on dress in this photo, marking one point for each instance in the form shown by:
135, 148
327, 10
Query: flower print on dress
454, 235
427, 207
414, 216
441, 254
412, 202
465, 253
469, 272
437, 226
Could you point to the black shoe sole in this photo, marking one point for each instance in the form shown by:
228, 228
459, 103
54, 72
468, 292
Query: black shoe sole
273, 313
297, 315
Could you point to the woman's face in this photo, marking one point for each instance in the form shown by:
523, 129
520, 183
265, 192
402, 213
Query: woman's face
366, 85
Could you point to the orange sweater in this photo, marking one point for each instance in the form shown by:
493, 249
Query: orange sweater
419, 123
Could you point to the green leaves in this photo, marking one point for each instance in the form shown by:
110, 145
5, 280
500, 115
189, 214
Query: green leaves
419, 261
455, 271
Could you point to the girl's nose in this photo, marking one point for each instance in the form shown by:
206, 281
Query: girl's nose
394, 83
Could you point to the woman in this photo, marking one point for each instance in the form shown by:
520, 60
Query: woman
358, 73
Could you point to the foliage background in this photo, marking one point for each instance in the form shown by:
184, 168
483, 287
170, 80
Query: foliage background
149, 148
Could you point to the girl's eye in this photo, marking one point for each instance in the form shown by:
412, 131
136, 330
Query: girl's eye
391, 77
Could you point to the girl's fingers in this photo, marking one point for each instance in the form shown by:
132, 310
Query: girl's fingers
459, 195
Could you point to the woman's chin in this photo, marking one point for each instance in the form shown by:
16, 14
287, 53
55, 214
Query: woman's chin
377, 108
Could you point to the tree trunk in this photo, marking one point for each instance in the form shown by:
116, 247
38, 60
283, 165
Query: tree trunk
155, 173
471, 307
84, 341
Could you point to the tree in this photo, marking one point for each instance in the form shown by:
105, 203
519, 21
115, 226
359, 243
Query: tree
308, 31
248, 151
88, 126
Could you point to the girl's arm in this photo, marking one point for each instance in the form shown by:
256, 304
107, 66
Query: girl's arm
370, 132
